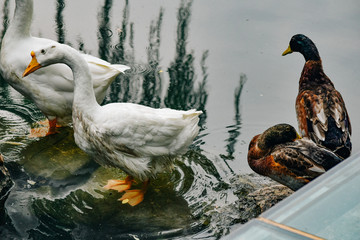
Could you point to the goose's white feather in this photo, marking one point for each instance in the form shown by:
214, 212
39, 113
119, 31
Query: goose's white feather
52, 88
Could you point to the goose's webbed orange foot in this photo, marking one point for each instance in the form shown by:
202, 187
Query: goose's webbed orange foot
133, 197
119, 185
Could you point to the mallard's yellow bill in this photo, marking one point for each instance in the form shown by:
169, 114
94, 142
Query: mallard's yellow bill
287, 51
33, 66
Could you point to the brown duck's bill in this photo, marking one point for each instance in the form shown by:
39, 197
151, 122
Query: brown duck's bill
33, 66
287, 51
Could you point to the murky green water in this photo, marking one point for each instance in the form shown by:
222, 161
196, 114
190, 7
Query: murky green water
223, 58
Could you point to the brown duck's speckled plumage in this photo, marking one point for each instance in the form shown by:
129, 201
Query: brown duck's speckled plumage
320, 108
280, 155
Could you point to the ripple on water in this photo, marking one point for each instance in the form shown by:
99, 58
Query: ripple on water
14, 126
140, 69
11, 124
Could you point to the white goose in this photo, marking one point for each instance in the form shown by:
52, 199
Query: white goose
138, 139
50, 89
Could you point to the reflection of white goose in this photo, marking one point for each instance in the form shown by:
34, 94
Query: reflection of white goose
52, 88
135, 138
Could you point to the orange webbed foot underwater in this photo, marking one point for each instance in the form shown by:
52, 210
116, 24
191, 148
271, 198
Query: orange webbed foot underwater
135, 196
119, 185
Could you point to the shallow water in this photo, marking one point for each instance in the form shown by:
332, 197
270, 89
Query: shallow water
221, 57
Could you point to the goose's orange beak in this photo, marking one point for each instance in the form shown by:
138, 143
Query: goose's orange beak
33, 66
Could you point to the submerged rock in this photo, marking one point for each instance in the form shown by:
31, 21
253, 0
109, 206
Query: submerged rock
5, 185
266, 197
255, 195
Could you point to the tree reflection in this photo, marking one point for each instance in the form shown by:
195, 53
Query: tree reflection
105, 33
152, 86
199, 97
181, 70
119, 52
115, 54
181, 93
60, 26
5, 19
234, 130
4, 92
122, 91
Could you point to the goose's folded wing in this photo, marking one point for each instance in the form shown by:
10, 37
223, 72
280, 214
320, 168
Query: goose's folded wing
145, 130
101, 69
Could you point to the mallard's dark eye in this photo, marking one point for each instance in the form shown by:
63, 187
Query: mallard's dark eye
43, 51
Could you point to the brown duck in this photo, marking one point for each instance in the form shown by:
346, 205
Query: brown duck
282, 155
320, 108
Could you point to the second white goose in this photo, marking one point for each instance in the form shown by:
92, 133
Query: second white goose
52, 88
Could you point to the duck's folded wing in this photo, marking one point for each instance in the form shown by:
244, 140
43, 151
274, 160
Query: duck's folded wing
311, 116
319, 155
295, 161
322, 117
339, 112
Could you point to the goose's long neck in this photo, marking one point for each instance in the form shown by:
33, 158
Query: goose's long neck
84, 96
21, 22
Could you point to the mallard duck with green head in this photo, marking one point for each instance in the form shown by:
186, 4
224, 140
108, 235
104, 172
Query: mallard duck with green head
320, 108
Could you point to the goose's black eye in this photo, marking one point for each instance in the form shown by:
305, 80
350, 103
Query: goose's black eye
42, 51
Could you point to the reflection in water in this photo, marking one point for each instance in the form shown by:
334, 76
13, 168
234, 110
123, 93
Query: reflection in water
81, 45
118, 54
181, 70
60, 26
105, 33
200, 96
151, 95
4, 91
5, 19
121, 90
126, 92
234, 130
